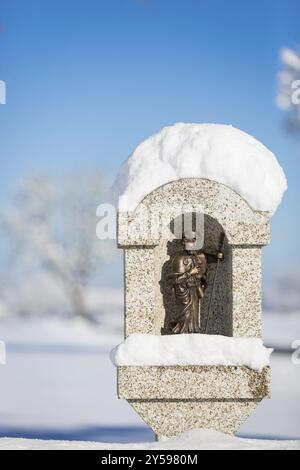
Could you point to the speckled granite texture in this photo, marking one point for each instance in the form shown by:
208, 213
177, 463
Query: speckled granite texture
243, 225
149, 301
192, 383
171, 418
174, 400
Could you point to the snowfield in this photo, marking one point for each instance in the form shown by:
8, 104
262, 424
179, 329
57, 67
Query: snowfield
59, 384
198, 439
191, 349
281, 330
216, 152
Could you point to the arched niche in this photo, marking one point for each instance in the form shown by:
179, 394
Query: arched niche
220, 317
237, 304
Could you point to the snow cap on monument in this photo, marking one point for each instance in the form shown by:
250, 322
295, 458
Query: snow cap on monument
215, 152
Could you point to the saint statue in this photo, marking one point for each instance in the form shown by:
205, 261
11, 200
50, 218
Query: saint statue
189, 282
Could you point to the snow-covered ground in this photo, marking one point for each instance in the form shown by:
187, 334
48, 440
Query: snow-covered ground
59, 383
198, 439
281, 330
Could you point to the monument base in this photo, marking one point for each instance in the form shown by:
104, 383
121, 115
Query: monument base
175, 399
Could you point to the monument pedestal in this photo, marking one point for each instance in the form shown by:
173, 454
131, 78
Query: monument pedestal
229, 186
174, 399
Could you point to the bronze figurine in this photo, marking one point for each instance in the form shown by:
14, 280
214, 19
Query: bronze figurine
189, 282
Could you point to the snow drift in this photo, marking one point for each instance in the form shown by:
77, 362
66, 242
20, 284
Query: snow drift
216, 152
197, 439
191, 349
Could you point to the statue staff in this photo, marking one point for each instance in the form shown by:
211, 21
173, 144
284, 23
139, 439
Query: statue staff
221, 248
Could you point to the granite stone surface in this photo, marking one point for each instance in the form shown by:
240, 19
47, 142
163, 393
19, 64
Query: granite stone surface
243, 225
192, 383
171, 418
175, 399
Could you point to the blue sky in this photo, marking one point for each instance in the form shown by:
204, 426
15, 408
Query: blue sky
87, 80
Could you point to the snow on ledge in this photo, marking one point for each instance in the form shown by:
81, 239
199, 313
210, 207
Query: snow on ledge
216, 152
191, 349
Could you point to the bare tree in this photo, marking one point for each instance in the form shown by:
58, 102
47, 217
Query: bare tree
52, 226
288, 97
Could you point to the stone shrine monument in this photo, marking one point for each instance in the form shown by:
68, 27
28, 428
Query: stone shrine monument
193, 355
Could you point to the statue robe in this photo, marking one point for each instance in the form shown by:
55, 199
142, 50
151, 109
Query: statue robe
189, 289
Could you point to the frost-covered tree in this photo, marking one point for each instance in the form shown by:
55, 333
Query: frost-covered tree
288, 97
51, 229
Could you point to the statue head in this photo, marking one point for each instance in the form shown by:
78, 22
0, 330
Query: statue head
190, 241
